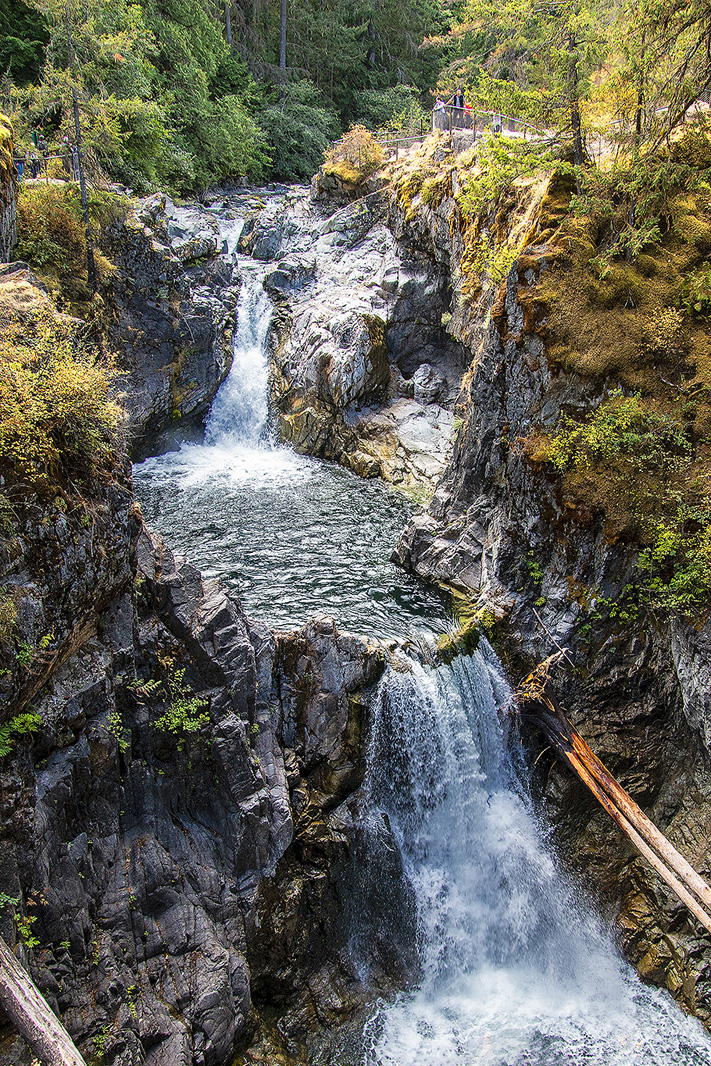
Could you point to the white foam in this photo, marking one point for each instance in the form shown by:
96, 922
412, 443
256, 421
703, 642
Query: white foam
515, 970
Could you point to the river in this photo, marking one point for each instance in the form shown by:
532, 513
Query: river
516, 968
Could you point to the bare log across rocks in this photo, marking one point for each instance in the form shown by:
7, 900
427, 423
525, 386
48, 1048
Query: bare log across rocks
29, 1012
536, 703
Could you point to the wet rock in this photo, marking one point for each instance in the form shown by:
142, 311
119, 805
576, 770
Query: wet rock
142, 844
175, 302
291, 272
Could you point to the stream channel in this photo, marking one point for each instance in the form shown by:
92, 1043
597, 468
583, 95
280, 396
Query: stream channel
515, 967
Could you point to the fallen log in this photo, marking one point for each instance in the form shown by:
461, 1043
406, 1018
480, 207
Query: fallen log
30, 1013
537, 703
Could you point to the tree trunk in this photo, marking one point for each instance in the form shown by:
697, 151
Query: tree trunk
639, 109
282, 36
90, 262
574, 96
537, 703
29, 1012
228, 22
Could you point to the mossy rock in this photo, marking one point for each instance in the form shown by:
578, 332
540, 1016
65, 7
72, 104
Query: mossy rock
463, 641
693, 148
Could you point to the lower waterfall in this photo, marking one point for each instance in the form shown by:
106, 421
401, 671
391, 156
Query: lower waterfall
514, 967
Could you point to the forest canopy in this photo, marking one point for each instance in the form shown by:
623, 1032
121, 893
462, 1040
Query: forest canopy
180, 94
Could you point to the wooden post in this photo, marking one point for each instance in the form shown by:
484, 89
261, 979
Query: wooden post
537, 703
29, 1012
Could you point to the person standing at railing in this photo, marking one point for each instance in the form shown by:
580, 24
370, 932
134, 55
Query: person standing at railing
457, 104
439, 115
43, 148
18, 158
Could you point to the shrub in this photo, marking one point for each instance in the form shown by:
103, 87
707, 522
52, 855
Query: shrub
51, 231
57, 414
695, 296
499, 163
355, 157
620, 428
20, 725
637, 464
397, 108
185, 711
664, 334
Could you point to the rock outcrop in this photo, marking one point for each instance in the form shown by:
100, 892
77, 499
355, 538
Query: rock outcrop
539, 570
175, 296
184, 799
8, 193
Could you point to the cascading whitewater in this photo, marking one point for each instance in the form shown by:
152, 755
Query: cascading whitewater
240, 411
514, 969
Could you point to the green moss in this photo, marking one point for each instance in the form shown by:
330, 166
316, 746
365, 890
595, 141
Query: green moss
463, 641
8, 618
356, 156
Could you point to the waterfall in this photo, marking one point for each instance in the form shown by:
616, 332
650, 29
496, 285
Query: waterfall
514, 969
240, 410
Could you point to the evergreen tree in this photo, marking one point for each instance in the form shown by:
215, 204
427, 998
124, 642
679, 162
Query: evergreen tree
23, 37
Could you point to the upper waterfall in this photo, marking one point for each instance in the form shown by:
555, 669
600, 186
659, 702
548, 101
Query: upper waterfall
290, 535
240, 410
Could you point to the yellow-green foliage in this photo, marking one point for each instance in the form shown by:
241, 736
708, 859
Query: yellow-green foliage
185, 712
499, 162
695, 295
354, 157
58, 418
463, 641
51, 234
8, 617
407, 186
485, 257
20, 725
637, 464
423, 173
620, 428
7, 167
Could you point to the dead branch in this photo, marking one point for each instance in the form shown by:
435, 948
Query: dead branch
29, 1012
536, 703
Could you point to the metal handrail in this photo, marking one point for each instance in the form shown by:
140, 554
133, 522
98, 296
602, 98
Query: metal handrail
450, 117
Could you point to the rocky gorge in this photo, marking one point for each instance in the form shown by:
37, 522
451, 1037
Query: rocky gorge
180, 835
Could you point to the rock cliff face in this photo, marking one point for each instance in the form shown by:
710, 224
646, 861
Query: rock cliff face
362, 370
499, 531
175, 296
184, 803
8, 193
